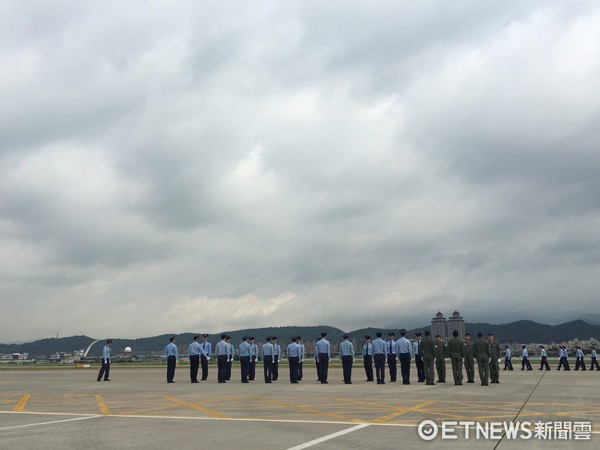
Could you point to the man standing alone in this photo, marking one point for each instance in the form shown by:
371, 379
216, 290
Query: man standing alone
172, 356
105, 369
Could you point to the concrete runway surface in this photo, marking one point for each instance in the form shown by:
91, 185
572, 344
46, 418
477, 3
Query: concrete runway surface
138, 409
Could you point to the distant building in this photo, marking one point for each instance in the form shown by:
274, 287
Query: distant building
445, 327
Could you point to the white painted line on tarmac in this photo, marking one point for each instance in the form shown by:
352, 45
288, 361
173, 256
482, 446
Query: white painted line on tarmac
46, 423
329, 437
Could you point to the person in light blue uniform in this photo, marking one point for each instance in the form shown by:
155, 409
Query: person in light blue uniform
544, 358
300, 366
105, 369
267, 357
525, 359
347, 357
563, 358
293, 357
379, 356
418, 359
206, 346
507, 358
594, 363
172, 357
253, 358
244, 350
230, 354
276, 358
579, 359
367, 354
222, 352
194, 351
404, 348
323, 355
392, 356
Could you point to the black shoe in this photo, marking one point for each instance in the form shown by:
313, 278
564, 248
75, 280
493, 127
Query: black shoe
195, 381
430, 384
99, 380
106, 379
324, 382
245, 381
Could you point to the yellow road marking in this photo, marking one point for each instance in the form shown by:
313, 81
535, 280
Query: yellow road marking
21, 405
196, 407
309, 410
102, 406
402, 411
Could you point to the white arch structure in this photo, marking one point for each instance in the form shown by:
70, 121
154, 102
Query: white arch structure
87, 350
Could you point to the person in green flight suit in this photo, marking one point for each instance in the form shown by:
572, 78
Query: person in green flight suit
494, 355
456, 354
469, 361
428, 354
482, 354
440, 358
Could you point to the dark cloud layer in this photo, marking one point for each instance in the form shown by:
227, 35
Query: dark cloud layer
208, 166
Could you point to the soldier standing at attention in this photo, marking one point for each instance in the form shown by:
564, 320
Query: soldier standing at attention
481, 349
507, 358
494, 356
293, 356
105, 369
392, 356
253, 358
379, 357
222, 352
204, 359
544, 358
418, 358
594, 360
276, 358
440, 358
244, 351
172, 356
347, 357
428, 355
323, 354
456, 353
194, 352
367, 354
230, 353
525, 361
469, 358
267, 356
405, 354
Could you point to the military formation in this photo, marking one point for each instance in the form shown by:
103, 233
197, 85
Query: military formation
428, 353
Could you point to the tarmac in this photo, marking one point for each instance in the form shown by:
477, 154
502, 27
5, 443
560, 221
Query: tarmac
137, 409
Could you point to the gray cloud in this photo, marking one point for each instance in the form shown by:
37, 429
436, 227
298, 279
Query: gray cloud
172, 168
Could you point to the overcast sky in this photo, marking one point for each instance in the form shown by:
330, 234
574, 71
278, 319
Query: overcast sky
210, 165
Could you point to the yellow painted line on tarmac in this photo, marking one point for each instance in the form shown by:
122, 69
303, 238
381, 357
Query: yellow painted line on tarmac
402, 411
21, 405
309, 410
102, 406
195, 407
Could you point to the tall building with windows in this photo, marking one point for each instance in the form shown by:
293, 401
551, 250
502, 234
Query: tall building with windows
456, 322
438, 326
445, 327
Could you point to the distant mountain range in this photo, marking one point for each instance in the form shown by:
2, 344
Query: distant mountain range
524, 331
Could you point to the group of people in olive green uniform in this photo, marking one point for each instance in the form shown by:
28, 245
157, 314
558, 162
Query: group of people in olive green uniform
486, 352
